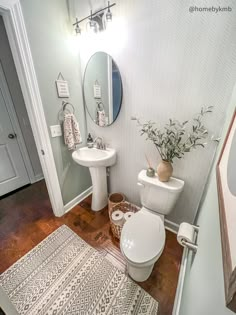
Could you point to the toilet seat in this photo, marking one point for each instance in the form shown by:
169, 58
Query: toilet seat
143, 237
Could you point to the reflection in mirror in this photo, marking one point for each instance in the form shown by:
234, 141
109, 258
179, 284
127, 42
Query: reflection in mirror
102, 88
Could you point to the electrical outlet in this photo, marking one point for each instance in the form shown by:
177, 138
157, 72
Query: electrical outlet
56, 131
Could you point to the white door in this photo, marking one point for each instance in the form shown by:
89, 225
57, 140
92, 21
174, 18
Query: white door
13, 173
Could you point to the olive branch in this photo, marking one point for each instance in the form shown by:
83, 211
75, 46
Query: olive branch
175, 139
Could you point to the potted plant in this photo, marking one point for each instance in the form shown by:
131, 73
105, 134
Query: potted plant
175, 139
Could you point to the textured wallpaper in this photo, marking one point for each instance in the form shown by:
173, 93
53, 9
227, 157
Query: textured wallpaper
172, 62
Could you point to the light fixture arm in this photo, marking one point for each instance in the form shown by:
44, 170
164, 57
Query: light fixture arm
94, 14
109, 7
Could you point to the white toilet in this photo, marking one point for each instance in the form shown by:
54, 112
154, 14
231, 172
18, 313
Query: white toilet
143, 235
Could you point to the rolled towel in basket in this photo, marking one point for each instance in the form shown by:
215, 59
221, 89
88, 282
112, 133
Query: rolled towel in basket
128, 215
117, 217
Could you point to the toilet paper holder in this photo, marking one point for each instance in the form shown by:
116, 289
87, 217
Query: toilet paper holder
190, 245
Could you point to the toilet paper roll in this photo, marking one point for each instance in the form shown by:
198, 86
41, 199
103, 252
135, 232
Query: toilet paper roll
128, 215
117, 217
185, 233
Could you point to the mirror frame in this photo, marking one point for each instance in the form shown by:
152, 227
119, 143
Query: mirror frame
121, 98
225, 206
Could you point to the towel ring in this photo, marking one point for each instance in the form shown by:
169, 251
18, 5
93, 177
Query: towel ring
65, 110
100, 105
64, 105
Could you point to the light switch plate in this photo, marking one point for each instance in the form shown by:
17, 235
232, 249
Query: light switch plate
56, 131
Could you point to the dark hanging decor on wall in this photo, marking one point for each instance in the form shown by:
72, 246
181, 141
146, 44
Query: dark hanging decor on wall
97, 21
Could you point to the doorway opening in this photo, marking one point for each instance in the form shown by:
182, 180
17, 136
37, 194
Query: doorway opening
13, 19
20, 164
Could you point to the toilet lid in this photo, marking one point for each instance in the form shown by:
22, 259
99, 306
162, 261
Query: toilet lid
142, 237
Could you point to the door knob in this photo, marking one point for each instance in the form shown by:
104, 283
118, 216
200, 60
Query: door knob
11, 136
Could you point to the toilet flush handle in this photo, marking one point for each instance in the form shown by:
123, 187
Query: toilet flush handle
141, 185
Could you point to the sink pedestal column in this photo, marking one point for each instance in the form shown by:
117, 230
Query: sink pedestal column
99, 181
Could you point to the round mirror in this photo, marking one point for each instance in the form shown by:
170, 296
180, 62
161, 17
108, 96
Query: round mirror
102, 88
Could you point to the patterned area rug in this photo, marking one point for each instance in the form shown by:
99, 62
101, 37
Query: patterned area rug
64, 275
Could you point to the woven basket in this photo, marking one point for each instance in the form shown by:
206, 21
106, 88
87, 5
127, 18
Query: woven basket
114, 199
124, 207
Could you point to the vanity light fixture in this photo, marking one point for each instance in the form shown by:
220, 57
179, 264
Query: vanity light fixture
96, 22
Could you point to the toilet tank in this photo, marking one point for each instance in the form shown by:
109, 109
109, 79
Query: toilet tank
158, 196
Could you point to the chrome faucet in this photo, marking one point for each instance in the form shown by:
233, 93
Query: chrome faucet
99, 143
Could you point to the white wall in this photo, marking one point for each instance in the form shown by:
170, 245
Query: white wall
172, 62
204, 284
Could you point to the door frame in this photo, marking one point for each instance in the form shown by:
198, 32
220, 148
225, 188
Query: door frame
16, 31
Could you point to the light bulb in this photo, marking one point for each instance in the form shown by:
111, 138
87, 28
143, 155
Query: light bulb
77, 29
92, 26
109, 14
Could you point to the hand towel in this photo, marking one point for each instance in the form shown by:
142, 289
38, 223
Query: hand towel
101, 118
72, 134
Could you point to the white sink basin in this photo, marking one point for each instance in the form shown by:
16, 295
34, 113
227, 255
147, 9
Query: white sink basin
97, 161
94, 157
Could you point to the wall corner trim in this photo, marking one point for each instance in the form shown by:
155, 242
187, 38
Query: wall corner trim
180, 286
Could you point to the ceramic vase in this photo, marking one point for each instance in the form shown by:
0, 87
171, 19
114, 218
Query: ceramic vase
164, 171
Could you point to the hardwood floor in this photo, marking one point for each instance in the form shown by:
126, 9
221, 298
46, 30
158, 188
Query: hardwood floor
26, 218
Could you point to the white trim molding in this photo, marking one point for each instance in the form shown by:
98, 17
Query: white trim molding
180, 286
6, 304
17, 36
38, 177
78, 199
171, 226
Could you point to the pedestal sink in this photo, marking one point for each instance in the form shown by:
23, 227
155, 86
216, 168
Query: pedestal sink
97, 160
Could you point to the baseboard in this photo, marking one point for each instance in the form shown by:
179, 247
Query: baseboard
36, 178
171, 226
180, 286
39, 177
78, 199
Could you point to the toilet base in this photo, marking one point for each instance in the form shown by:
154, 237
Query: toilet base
139, 274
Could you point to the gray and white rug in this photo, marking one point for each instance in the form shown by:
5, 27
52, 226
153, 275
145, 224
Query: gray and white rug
64, 275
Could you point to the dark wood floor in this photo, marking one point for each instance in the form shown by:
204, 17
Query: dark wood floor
26, 218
